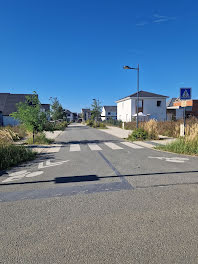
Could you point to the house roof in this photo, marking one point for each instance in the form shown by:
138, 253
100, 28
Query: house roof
85, 110
8, 102
143, 94
110, 108
46, 107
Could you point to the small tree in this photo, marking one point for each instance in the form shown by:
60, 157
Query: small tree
96, 110
57, 111
29, 113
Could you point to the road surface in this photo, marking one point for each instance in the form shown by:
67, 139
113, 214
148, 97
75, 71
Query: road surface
95, 198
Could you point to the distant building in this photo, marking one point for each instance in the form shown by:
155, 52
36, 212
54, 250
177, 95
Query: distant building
86, 114
69, 115
174, 112
150, 104
8, 105
191, 107
109, 112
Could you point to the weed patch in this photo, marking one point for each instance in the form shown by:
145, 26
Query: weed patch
11, 155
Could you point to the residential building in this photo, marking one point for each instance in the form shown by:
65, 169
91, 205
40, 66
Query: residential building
69, 115
8, 105
150, 104
174, 112
109, 112
86, 114
191, 107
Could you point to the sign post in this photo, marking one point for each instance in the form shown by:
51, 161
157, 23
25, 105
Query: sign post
185, 94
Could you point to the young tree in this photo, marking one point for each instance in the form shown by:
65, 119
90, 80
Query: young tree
96, 110
57, 111
29, 113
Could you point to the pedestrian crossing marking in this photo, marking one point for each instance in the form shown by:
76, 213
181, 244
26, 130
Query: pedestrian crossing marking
112, 145
74, 147
94, 146
131, 145
53, 148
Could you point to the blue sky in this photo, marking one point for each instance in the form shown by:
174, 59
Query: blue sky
75, 50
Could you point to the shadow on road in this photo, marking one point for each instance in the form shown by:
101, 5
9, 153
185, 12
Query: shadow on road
88, 178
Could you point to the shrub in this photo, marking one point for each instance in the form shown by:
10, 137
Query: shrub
60, 125
39, 138
52, 126
138, 134
11, 155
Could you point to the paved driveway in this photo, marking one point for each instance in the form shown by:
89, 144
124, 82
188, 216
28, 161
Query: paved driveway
94, 198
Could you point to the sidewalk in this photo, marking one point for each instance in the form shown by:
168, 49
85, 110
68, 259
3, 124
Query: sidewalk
122, 133
117, 132
43, 148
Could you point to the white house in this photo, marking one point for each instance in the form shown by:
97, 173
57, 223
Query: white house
153, 105
109, 112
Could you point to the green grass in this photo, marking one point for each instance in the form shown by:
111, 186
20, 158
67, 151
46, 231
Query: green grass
181, 146
11, 155
40, 139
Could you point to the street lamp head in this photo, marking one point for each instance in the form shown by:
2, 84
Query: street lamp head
128, 68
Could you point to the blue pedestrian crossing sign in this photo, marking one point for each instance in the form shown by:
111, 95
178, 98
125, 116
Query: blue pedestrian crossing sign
185, 93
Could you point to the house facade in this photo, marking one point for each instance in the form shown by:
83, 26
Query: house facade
86, 114
8, 105
174, 112
149, 104
109, 112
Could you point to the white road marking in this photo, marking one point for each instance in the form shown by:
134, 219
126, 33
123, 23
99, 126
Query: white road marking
173, 159
34, 174
112, 145
21, 174
131, 145
17, 173
94, 146
49, 164
54, 148
74, 147
144, 144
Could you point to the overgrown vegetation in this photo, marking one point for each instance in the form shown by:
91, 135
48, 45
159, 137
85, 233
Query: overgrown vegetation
95, 124
113, 122
11, 155
147, 130
138, 134
53, 126
39, 138
184, 145
9, 134
167, 128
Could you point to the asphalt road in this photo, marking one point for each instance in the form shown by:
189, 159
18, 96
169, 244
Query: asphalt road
93, 199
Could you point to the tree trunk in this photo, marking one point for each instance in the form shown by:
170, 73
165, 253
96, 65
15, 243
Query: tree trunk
33, 136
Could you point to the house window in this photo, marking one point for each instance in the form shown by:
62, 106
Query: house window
109, 113
159, 103
140, 106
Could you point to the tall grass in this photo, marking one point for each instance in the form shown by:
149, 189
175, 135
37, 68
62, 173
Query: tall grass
9, 134
186, 145
166, 128
11, 155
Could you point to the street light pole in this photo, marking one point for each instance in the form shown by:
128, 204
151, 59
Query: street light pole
137, 106
137, 96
